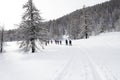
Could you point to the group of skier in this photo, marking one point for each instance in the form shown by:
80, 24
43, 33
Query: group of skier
68, 42
59, 42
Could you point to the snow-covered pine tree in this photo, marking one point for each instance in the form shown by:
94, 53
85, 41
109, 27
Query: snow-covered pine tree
31, 27
84, 27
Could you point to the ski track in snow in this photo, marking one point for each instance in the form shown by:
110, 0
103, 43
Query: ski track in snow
91, 70
108, 73
75, 68
101, 72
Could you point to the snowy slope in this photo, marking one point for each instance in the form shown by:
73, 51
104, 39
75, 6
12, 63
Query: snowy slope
97, 58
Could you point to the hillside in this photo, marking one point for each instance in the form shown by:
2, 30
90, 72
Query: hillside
100, 18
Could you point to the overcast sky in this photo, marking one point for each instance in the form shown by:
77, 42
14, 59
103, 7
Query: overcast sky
11, 11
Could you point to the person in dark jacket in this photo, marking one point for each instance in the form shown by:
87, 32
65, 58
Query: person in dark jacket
66, 41
70, 42
60, 42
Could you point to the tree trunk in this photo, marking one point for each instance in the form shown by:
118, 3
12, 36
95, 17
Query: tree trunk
86, 32
1, 43
33, 45
86, 35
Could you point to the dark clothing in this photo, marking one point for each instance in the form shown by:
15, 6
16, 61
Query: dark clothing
70, 42
66, 41
60, 42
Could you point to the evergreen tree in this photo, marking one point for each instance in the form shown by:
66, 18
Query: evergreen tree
31, 27
84, 31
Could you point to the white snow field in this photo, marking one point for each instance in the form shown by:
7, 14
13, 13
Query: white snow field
96, 58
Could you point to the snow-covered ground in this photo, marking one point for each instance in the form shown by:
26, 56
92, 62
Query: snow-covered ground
96, 58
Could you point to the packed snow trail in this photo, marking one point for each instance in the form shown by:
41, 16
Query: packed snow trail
80, 67
96, 58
